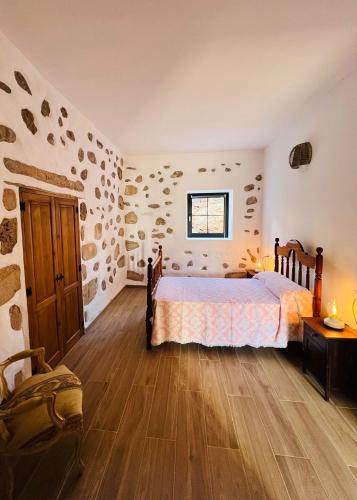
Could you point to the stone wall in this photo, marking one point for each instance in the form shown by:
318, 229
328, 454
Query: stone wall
46, 143
155, 211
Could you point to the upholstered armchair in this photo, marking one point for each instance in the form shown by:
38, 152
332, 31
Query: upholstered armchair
38, 413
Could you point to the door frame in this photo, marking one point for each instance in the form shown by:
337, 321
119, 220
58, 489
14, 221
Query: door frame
28, 265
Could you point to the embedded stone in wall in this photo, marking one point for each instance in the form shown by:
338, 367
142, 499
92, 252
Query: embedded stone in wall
252, 257
89, 251
160, 221
82, 233
120, 173
5, 87
98, 231
9, 282
97, 192
8, 235
7, 134
158, 236
121, 232
250, 210
29, 120
96, 266
249, 187
141, 234
166, 191
111, 279
80, 154
116, 251
21, 81
131, 218
99, 144
70, 135
188, 252
154, 205
259, 177
176, 174
90, 136
225, 265
17, 167
64, 112
45, 108
84, 174
139, 178
132, 275
121, 261
248, 216
90, 291
60, 122
169, 230
168, 202
256, 232
91, 157
201, 170
120, 202
15, 317
227, 169
84, 272
9, 199
108, 259
73, 170
51, 139
130, 190
112, 199
161, 179
83, 211
104, 285
175, 266
251, 200
131, 245
190, 263
242, 266
145, 188
141, 263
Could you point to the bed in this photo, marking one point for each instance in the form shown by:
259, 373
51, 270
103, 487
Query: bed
264, 311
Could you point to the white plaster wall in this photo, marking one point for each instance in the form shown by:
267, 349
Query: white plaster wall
230, 170
317, 204
35, 150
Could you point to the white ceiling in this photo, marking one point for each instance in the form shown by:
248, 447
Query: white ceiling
186, 75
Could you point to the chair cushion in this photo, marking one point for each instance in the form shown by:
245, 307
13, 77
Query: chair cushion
33, 427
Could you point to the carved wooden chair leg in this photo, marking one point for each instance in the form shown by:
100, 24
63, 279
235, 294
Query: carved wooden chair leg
8, 479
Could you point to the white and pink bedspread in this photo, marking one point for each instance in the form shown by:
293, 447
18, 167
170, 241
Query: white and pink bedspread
227, 312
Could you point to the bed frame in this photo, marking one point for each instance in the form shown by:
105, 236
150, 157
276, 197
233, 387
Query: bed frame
293, 252
287, 259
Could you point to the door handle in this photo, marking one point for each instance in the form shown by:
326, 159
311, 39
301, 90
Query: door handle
59, 277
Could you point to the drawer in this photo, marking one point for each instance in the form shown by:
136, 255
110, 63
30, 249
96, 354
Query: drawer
314, 337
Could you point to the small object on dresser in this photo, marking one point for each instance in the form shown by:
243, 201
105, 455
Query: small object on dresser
329, 356
332, 320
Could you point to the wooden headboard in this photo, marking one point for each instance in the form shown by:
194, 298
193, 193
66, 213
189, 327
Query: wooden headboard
294, 263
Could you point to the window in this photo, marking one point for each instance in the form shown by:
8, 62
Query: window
208, 215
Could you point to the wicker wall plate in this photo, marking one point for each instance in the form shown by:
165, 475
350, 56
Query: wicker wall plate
300, 155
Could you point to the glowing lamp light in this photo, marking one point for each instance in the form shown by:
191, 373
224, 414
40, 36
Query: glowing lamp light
259, 267
332, 320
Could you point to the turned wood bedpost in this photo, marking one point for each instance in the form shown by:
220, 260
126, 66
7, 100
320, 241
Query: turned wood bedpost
276, 266
149, 309
318, 282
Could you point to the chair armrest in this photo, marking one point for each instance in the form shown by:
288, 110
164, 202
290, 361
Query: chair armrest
47, 397
39, 352
28, 353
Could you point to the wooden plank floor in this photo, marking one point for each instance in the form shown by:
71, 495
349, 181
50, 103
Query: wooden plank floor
188, 422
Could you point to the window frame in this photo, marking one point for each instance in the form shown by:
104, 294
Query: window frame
227, 194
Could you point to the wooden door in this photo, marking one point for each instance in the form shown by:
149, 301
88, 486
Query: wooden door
70, 271
53, 280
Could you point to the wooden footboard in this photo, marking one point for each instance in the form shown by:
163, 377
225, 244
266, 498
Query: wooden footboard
153, 276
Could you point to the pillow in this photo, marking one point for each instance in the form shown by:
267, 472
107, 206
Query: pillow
295, 302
